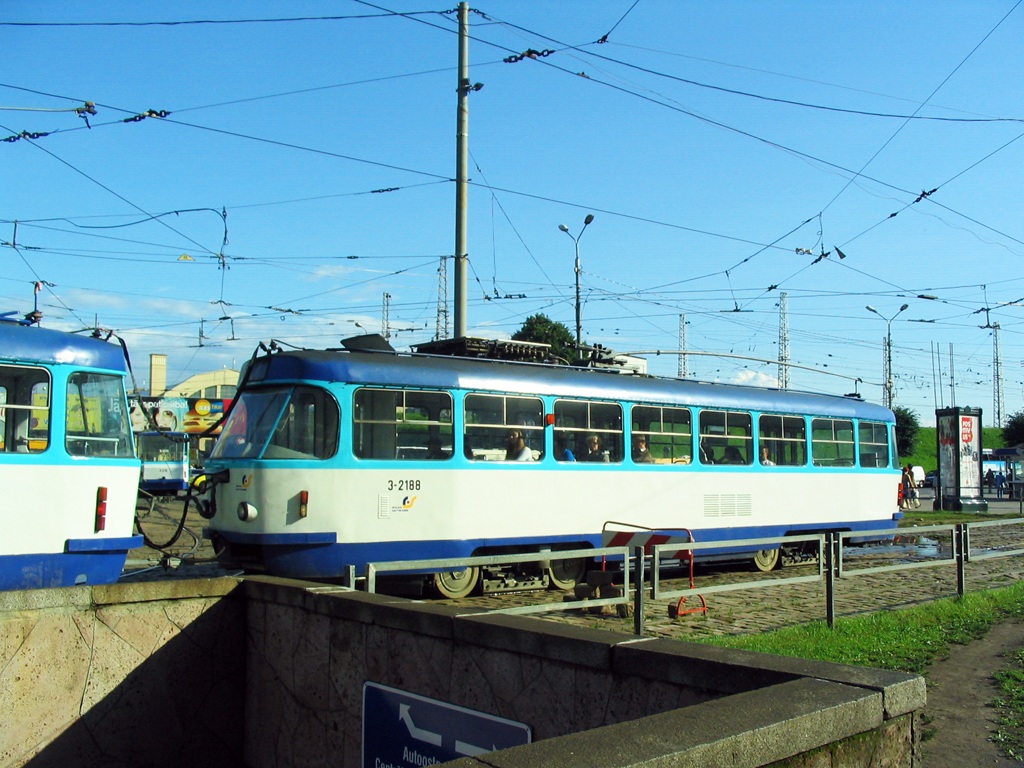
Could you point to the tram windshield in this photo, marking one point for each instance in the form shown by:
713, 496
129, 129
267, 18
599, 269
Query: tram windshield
280, 423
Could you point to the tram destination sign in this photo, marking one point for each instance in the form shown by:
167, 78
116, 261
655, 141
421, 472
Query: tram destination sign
404, 730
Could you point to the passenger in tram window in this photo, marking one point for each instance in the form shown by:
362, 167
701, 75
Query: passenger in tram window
467, 447
640, 453
517, 449
434, 450
594, 452
733, 455
562, 450
766, 459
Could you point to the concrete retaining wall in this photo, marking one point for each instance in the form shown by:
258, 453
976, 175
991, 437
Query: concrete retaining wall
124, 675
161, 674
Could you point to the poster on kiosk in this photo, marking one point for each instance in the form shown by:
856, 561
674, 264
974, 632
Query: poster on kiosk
958, 431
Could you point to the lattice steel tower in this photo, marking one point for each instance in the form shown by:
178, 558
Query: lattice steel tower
783, 341
682, 371
442, 330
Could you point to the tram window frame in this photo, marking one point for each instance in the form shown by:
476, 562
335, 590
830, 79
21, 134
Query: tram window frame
829, 447
576, 420
377, 436
876, 451
665, 444
103, 431
724, 433
307, 426
785, 437
488, 418
25, 410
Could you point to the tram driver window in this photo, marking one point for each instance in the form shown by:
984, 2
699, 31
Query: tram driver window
97, 417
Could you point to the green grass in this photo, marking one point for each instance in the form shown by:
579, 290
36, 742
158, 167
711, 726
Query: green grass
925, 454
909, 640
1010, 735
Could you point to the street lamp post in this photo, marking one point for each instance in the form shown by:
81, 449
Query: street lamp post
576, 242
889, 383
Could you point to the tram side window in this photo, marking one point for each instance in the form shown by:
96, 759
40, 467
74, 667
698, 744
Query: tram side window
24, 409
578, 422
832, 442
97, 417
307, 428
874, 444
668, 431
725, 437
490, 419
785, 438
402, 424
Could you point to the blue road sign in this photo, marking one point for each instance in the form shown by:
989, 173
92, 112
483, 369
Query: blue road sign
404, 730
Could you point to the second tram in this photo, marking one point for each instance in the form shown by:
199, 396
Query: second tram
67, 459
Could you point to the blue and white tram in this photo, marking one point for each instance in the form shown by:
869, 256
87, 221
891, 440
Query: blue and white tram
67, 459
339, 458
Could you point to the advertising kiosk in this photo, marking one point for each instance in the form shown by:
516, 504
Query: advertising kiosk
958, 432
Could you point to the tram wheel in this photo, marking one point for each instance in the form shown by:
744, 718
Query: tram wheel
766, 560
566, 574
455, 584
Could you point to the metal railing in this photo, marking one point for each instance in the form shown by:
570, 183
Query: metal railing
832, 567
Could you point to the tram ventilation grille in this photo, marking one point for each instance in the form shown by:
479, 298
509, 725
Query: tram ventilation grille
727, 505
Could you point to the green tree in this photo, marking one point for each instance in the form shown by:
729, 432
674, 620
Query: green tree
542, 329
1013, 429
907, 426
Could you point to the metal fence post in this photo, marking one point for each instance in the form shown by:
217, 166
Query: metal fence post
638, 593
831, 543
962, 553
371, 578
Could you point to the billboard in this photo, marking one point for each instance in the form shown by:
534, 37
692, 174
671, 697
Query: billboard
193, 415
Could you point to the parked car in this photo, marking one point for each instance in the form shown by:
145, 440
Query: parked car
931, 479
917, 473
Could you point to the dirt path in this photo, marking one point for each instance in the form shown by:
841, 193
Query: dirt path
960, 693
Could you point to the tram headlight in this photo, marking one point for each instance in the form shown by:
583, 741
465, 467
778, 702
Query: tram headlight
247, 512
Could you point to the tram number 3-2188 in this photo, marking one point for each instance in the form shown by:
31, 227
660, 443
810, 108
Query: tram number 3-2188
404, 485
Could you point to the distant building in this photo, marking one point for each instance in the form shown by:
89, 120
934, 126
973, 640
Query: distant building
214, 385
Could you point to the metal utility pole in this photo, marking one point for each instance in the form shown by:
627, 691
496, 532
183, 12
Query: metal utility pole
783, 341
385, 317
682, 371
997, 378
890, 384
462, 174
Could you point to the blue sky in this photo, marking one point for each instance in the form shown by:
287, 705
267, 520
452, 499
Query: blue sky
726, 150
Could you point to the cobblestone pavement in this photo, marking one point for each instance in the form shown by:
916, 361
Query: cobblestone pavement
747, 610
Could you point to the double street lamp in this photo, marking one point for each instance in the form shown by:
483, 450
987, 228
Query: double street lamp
889, 383
576, 242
